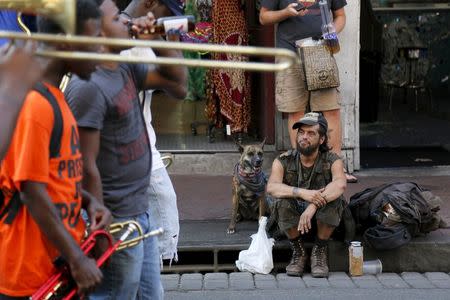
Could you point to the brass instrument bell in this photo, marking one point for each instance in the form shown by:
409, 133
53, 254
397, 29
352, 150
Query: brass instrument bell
60, 11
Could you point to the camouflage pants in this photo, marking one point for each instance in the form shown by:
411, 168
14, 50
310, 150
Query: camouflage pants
288, 212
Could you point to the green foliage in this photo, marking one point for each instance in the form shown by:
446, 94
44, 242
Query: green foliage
196, 76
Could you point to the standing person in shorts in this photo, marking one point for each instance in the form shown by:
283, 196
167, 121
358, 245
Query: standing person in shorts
291, 96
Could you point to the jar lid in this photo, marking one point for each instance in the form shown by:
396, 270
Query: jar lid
356, 244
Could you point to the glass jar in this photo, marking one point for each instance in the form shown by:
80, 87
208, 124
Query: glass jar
355, 259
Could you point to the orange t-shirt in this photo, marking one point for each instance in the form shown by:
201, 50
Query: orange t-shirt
26, 255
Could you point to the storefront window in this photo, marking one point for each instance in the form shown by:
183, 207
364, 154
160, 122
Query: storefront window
406, 44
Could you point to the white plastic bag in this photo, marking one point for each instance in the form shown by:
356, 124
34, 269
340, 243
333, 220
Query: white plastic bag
258, 257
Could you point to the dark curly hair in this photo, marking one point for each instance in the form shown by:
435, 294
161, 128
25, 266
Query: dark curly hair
324, 146
122, 4
85, 10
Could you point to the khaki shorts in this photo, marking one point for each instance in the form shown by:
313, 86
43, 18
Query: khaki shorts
292, 96
289, 211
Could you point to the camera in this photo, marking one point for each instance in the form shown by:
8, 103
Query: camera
300, 7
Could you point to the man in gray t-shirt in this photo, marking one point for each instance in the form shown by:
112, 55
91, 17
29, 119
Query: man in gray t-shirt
116, 150
108, 103
307, 23
297, 20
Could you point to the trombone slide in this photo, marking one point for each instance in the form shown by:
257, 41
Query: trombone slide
284, 58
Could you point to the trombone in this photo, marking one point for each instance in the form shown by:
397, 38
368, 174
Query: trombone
285, 58
63, 12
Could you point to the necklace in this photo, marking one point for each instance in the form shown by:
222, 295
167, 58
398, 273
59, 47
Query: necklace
306, 172
304, 175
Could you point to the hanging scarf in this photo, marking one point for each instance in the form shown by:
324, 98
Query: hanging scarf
229, 88
255, 181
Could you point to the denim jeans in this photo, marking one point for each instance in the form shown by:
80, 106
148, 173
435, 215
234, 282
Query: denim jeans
164, 212
133, 273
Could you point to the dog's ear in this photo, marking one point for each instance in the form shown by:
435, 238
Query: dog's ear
263, 143
240, 146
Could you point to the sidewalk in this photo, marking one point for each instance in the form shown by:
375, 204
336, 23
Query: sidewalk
407, 285
206, 197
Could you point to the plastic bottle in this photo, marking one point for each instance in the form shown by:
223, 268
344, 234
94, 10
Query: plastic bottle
355, 259
328, 30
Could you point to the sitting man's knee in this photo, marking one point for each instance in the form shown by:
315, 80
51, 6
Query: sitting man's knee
288, 217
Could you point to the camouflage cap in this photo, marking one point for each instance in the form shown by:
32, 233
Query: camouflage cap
312, 118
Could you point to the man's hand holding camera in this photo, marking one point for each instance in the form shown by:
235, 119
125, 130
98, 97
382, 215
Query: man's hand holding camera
296, 10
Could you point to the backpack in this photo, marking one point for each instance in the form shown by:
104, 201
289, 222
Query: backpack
412, 209
9, 212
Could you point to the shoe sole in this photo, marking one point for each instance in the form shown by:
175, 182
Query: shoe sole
294, 274
319, 275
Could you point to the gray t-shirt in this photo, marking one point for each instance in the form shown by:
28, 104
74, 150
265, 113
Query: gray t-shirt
297, 28
109, 102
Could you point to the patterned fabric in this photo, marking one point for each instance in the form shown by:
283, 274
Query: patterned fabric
229, 90
201, 34
255, 182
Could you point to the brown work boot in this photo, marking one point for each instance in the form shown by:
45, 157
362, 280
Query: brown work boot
298, 260
319, 261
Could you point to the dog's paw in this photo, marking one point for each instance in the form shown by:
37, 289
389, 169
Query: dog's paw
231, 230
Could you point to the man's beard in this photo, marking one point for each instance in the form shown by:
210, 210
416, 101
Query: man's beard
308, 150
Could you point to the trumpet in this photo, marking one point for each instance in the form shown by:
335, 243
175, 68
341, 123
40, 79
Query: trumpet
63, 12
61, 286
118, 227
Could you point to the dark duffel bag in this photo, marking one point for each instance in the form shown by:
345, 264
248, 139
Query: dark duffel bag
382, 237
